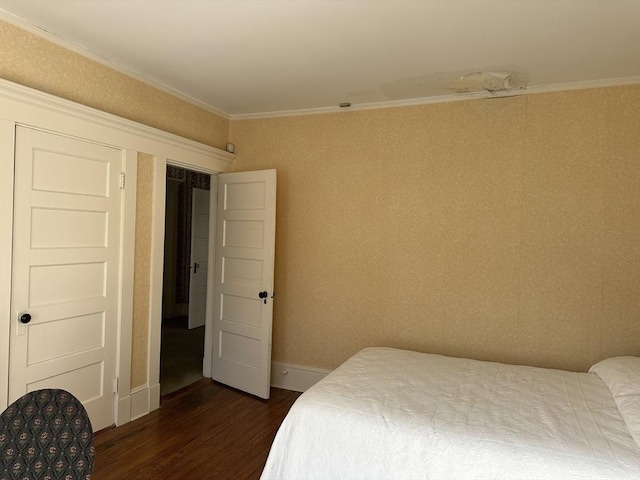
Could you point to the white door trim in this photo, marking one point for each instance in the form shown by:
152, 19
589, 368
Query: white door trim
122, 411
7, 149
208, 322
38, 109
157, 280
29, 107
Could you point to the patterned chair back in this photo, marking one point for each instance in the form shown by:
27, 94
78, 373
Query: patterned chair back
46, 434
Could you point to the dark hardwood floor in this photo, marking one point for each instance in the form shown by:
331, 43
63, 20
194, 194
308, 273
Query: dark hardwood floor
205, 431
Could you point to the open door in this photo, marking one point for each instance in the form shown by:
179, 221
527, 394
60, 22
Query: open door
199, 257
243, 305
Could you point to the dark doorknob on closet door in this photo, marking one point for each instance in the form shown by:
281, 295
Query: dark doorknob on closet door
25, 318
263, 295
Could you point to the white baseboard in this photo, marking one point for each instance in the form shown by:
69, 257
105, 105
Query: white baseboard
295, 377
139, 401
154, 397
123, 410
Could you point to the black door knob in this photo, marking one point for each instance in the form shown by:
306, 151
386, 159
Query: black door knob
25, 318
263, 295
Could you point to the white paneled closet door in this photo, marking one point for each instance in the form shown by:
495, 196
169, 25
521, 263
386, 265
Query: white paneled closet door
66, 268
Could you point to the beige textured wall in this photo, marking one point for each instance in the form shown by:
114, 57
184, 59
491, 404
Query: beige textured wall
504, 229
142, 271
34, 62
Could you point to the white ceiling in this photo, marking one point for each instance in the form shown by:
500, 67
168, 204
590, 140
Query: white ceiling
243, 57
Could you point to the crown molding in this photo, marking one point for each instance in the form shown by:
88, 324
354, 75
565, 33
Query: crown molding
80, 50
558, 87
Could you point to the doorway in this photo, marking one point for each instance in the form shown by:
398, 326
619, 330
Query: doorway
254, 193
184, 278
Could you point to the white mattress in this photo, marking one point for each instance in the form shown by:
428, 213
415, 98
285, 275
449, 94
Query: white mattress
394, 414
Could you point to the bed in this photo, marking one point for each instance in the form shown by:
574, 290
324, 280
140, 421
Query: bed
396, 414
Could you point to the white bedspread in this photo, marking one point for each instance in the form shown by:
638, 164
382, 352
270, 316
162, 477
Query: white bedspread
394, 414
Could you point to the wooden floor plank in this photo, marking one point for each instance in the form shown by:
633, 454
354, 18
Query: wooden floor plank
205, 431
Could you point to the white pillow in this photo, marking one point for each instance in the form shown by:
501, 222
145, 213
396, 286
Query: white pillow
622, 376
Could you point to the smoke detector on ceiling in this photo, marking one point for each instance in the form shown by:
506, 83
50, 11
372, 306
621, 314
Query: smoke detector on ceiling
487, 81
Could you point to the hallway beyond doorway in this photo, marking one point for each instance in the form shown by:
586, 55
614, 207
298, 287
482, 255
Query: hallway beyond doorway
181, 355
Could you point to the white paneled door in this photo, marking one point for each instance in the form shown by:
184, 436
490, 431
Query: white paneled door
243, 305
199, 257
66, 269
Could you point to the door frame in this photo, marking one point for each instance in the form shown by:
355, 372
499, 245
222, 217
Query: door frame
20, 105
157, 280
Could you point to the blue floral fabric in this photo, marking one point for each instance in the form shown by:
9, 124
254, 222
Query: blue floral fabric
46, 435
